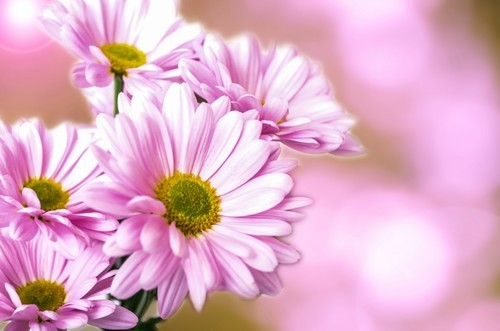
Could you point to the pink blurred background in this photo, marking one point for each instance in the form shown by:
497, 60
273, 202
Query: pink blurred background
405, 238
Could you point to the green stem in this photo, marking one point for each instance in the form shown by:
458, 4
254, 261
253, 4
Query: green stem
144, 302
118, 90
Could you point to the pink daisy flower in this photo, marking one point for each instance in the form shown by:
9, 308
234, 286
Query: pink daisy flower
294, 101
203, 200
139, 41
41, 176
41, 290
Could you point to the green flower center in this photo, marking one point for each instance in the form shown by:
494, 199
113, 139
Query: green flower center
191, 203
123, 57
50, 193
47, 295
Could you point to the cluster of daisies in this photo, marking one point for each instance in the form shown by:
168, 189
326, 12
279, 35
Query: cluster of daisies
178, 189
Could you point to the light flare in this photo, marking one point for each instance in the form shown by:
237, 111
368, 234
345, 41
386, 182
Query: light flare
20, 28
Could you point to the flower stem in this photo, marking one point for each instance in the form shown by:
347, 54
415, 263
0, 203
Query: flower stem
118, 90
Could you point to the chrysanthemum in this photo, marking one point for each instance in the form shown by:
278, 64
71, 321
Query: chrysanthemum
203, 200
140, 41
42, 290
294, 101
41, 176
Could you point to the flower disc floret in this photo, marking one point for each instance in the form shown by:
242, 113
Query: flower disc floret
123, 56
50, 193
191, 203
46, 295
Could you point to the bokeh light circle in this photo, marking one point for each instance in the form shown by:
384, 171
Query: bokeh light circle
20, 27
407, 265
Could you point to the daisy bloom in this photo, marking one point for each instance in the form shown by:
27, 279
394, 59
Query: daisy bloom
294, 101
137, 42
42, 173
202, 196
41, 290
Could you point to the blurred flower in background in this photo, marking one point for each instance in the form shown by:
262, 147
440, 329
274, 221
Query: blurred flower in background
404, 238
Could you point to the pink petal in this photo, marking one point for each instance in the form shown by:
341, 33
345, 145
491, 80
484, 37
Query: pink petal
226, 134
78, 76
78, 304
120, 319
8, 188
67, 242
257, 226
36, 326
84, 287
100, 309
262, 256
285, 253
269, 282
178, 108
32, 143
99, 55
146, 205
241, 166
14, 297
295, 202
195, 73
98, 74
126, 282
275, 109
278, 166
23, 228
177, 240
171, 294
200, 138
228, 243
111, 248
17, 326
221, 107
237, 277
257, 195
109, 200
157, 268
207, 263
71, 320
154, 234
289, 80
128, 234
194, 277
31, 198
25, 312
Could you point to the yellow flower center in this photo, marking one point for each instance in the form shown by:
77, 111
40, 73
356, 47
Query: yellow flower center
45, 294
50, 193
191, 203
123, 57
